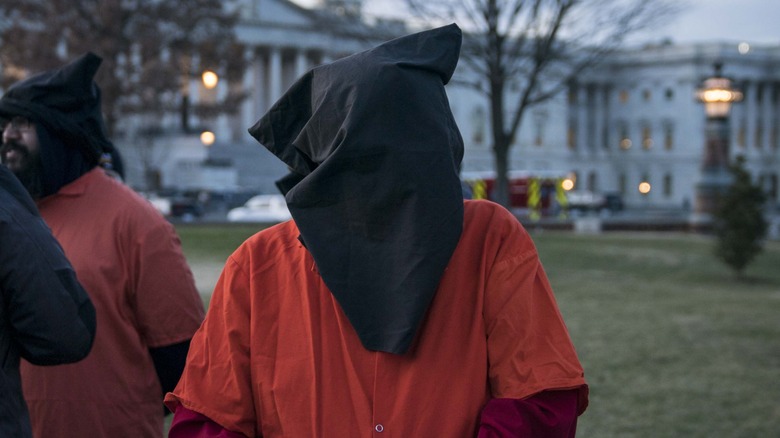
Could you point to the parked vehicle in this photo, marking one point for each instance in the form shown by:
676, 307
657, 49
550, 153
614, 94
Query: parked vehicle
161, 204
582, 201
186, 208
261, 208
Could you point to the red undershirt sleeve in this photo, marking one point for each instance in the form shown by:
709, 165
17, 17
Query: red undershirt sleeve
191, 424
548, 414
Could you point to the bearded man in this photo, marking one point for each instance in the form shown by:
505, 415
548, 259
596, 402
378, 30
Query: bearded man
127, 256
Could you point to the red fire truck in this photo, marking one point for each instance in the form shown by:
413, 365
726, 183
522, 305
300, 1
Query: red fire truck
531, 193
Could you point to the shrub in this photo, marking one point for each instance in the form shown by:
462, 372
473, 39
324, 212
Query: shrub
739, 222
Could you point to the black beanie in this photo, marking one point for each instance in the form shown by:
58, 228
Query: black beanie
66, 101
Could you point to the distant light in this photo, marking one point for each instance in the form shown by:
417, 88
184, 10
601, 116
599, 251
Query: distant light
717, 95
207, 138
567, 184
210, 79
644, 187
625, 143
743, 48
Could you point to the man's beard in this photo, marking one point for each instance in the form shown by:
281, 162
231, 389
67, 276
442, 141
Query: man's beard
27, 167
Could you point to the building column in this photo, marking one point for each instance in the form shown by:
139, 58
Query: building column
582, 117
251, 86
599, 116
301, 63
275, 75
750, 108
767, 118
605, 128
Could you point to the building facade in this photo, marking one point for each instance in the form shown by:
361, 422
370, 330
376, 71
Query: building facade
636, 118
633, 119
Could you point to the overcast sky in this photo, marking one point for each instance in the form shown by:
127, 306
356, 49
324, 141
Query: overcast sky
752, 21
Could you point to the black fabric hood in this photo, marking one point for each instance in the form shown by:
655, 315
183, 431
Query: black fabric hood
66, 101
374, 154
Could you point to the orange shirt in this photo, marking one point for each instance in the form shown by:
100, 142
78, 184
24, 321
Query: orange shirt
128, 258
277, 357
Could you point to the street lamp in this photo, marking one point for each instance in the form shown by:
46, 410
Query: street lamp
207, 138
210, 79
717, 95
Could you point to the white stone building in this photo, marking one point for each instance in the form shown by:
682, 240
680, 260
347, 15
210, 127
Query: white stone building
633, 119
636, 118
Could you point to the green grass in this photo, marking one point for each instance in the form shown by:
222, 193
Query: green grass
672, 343
207, 247
210, 243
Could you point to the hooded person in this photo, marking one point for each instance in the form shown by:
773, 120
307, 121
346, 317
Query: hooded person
387, 304
127, 256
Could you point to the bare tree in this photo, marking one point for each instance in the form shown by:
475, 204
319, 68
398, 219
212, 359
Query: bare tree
524, 52
150, 49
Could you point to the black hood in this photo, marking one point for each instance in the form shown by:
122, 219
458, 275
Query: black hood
66, 101
374, 152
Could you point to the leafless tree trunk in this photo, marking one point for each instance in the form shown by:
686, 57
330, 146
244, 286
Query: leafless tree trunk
523, 52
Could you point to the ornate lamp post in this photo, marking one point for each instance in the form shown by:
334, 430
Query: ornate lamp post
717, 94
209, 79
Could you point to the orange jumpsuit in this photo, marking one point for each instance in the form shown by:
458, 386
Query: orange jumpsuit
129, 260
276, 356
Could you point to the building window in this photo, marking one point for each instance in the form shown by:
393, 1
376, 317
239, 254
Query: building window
593, 181
622, 181
623, 96
571, 135
644, 186
742, 134
773, 137
668, 136
773, 186
669, 94
668, 185
623, 136
647, 138
758, 141
572, 96
646, 95
540, 120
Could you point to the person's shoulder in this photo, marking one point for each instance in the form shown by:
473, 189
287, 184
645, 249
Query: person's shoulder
484, 210
275, 239
484, 219
284, 233
116, 198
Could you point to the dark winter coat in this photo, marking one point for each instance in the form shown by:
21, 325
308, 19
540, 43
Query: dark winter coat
46, 316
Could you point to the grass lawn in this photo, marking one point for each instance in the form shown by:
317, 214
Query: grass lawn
672, 344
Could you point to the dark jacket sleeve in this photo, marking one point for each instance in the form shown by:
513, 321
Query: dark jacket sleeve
50, 315
169, 364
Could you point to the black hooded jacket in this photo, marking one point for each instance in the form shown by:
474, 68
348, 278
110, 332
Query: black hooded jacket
46, 316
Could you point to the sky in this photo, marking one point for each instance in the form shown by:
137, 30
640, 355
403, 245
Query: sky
751, 21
